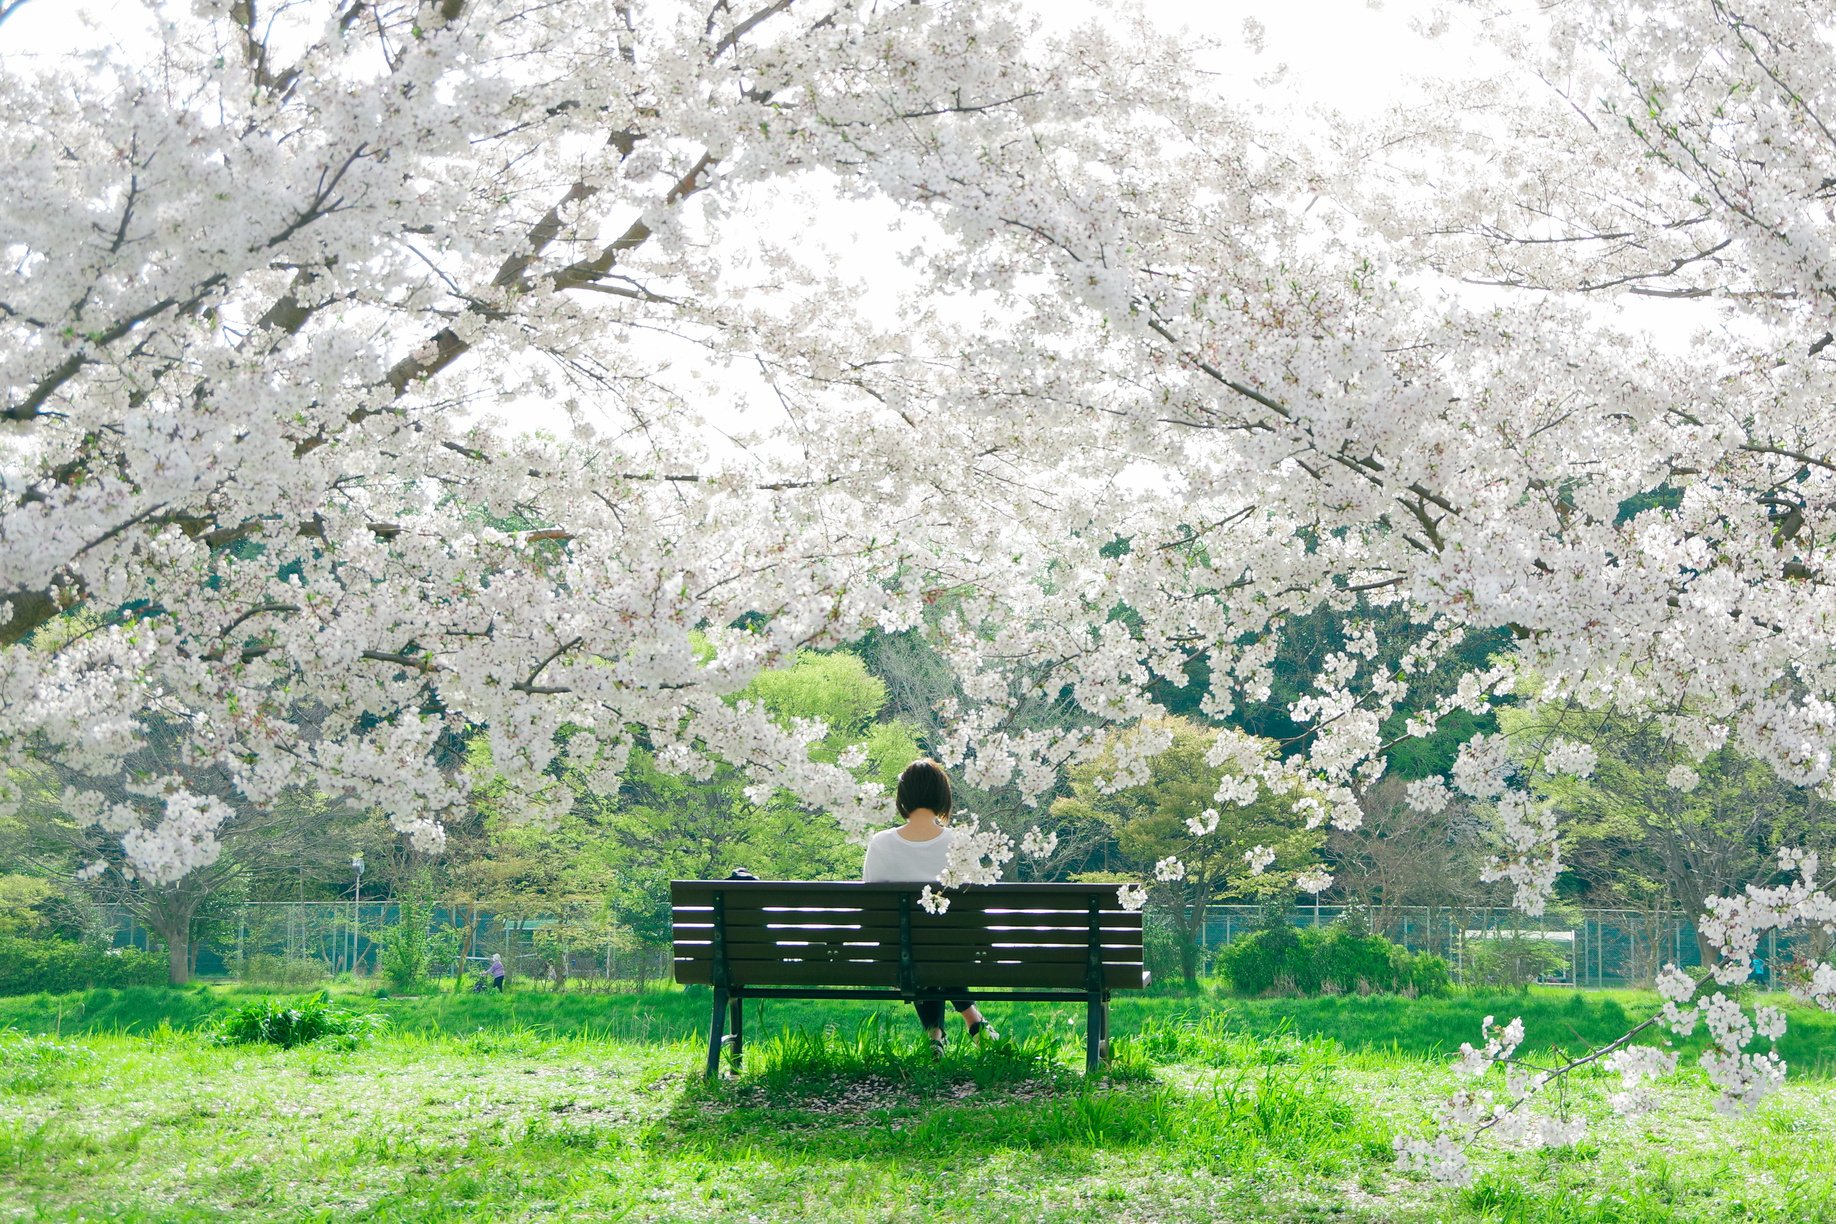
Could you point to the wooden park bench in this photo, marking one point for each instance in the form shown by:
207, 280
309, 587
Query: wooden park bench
766, 939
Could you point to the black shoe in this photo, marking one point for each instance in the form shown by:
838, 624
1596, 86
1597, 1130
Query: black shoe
981, 1030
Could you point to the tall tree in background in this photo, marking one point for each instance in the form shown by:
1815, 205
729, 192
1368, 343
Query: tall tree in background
1402, 855
259, 847
1648, 819
1249, 849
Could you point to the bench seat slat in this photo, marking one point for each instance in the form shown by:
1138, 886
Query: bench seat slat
1062, 977
704, 944
997, 923
795, 973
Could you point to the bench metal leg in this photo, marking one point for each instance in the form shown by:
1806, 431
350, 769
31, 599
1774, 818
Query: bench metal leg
739, 1031
1093, 1034
1103, 1041
715, 1031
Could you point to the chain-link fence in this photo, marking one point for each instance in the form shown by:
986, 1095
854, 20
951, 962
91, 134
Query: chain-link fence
1586, 947
295, 943
298, 942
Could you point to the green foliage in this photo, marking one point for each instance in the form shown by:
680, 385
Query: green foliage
1309, 638
408, 945
1333, 960
663, 826
1512, 959
615, 850
288, 1024
31, 965
284, 972
1149, 823
1633, 839
835, 688
25, 906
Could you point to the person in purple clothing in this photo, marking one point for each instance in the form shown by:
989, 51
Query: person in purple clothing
498, 972
914, 852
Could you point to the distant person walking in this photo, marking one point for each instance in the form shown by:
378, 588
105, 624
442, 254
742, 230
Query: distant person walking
498, 972
914, 853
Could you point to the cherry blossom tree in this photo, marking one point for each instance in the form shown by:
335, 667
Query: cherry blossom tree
283, 291
1678, 157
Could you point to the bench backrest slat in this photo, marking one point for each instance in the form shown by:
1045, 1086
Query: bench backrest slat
788, 933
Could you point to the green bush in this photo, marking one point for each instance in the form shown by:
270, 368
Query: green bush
1329, 960
28, 966
406, 953
286, 972
1511, 959
278, 1022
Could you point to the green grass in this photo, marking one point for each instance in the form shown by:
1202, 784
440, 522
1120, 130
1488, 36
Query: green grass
543, 1107
1427, 1027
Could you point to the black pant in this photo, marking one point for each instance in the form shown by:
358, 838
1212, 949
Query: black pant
497, 983
930, 1011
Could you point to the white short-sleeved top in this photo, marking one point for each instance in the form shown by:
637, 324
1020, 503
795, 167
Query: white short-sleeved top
892, 859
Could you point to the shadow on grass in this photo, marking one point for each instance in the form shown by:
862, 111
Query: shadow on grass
824, 1094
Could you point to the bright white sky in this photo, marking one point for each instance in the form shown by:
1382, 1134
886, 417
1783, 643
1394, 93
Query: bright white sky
1356, 55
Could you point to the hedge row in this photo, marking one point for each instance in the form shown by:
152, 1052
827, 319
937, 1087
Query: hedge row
28, 966
1308, 960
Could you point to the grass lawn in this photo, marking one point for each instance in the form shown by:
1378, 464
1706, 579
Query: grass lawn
540, 1106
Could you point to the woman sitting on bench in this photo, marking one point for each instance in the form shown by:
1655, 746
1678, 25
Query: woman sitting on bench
914, 853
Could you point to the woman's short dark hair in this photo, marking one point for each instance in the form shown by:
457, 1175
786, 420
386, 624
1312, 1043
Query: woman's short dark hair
924, 784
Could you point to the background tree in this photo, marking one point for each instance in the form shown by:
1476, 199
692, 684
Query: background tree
254, 848
1648, 821
1168, 816
1401, 855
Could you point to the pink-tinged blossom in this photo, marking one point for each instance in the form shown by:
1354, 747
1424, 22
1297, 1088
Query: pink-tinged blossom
1531, 858
1313, 880
1567, 756
1037, 845
1428, 795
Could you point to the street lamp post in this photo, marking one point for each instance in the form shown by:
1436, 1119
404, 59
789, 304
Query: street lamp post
356, 900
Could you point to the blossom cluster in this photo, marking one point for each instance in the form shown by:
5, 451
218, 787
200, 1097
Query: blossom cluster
1038, 845
1532, 857
1743, 1077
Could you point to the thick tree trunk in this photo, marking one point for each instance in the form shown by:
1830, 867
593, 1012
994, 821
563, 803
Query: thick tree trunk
1188, 959
168, 914
1706, 949
178, 954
